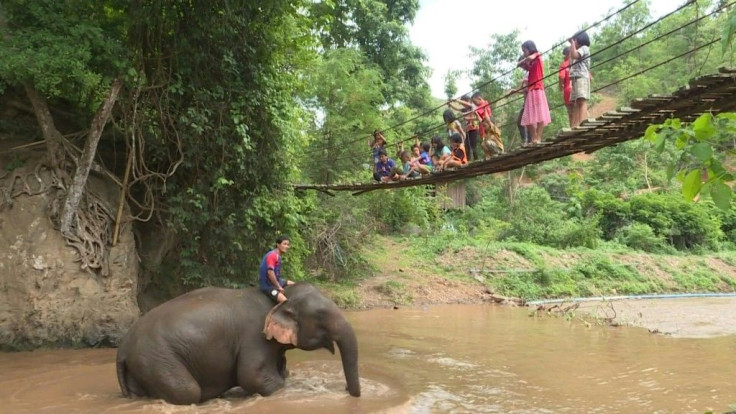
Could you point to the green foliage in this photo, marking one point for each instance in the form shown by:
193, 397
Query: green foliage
612, 213
338, 232
685, 225
591, 275
539, 219
640, 236
343, 113
378, 29
727, 219
400, 208
700, 147
344, 295
451, 83
64, 49
729, 28
218, 95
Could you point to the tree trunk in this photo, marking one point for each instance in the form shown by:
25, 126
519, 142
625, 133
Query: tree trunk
51, 135
85, 160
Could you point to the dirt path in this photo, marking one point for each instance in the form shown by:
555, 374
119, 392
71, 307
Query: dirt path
402, 281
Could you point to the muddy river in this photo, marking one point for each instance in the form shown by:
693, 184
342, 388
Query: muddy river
439, 359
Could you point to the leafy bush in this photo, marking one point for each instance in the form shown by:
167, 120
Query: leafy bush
612, 213
536, 218
399, 208
579, 233
556, 185
335, 237
727, 219
686, 225
640, 236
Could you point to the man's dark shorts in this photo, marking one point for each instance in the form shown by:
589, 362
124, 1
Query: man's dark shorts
271, 292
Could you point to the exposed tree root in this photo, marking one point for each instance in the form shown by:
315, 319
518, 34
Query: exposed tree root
92, 223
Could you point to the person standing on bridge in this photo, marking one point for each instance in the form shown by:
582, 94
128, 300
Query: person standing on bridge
579, 76
453, 125
565, 83
490, 135
379, 141
526, 139
472, 124
536, 111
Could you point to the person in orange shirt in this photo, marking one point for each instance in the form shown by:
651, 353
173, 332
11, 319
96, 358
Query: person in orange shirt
472, 123
490, 135
565, 83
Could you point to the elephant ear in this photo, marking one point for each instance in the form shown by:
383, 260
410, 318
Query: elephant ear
281, 325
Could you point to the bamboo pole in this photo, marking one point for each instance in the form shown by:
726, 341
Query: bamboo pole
123, 190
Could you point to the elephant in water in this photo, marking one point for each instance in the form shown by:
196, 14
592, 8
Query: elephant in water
201, 344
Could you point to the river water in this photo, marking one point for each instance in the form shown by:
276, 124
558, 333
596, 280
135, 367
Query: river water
439, 359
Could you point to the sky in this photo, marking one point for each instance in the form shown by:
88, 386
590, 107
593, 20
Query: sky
543, 21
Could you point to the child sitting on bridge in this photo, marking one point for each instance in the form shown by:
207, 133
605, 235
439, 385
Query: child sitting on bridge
420, 160
384, 168
440, 152
425, 158
458, 158
379, 141
410, 168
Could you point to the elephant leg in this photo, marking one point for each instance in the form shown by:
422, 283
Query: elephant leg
134, 387
175, 385
281, 366
264, 379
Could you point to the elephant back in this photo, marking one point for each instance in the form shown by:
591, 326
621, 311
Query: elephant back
202, 314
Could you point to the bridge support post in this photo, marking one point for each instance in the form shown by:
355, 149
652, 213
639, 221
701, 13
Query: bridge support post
451, 195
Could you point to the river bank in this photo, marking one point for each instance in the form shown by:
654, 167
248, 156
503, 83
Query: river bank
509, 274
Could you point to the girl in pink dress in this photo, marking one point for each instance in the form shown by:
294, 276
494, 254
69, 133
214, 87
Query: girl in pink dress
536, 111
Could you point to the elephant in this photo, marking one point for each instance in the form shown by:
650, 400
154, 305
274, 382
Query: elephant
205, 342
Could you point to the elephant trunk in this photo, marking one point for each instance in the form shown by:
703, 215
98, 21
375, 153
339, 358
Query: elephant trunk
348, 345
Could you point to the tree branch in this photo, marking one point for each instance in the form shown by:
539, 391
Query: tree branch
85, 160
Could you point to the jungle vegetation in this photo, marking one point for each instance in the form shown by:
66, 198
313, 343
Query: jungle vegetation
217, 107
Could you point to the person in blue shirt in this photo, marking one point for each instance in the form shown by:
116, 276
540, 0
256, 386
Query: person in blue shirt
426, 158
269, 274
384, 168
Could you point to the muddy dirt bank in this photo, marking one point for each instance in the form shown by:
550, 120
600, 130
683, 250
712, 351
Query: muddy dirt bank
684, 318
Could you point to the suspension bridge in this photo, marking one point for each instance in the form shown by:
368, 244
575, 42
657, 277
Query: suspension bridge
714, 93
